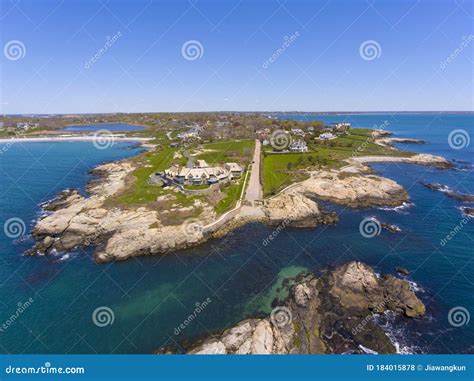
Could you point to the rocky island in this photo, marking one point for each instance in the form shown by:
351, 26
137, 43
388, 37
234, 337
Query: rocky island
333, 313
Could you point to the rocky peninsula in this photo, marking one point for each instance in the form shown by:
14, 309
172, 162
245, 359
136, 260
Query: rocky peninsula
73, 220
333, 313
166, 223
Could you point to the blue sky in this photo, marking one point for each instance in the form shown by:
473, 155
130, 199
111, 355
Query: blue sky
322, 68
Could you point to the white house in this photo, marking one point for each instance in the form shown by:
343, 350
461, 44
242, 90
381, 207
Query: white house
234, 168
202, 173
297, 132
326, 136
342, 127
298, 146
197, 176
201, 164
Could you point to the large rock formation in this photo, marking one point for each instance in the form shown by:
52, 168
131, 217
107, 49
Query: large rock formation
331, 314
354, 190
73, 220
295, 209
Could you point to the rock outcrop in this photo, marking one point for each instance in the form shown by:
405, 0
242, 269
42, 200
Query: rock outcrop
463, 197
295, 209
354, 190
331, 314
73, 220
421, 159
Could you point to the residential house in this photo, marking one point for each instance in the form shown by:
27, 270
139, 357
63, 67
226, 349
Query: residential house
326, 136
342, 127
200, 164
235, 169
297, 132
298, 146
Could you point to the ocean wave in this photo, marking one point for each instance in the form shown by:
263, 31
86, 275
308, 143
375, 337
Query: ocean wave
60, 256
414, 286
401, 209
397, 336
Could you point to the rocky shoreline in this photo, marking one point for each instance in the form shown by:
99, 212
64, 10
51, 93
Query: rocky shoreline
333, 313
73, 220
463, 197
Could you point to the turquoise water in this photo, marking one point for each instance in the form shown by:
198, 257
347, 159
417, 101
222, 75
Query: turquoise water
151, 296
113, 127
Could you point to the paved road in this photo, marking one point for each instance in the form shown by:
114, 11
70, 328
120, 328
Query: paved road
254, 190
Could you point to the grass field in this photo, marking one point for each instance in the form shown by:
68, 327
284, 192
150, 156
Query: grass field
239, 151
196, 187
280, 170
232, 196
141, 191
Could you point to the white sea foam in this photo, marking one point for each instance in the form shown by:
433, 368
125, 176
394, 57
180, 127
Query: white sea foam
396, 335
401, 209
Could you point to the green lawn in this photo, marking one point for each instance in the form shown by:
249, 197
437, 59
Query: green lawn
197, 186
141, 191
280, 170
232, 193
239, 151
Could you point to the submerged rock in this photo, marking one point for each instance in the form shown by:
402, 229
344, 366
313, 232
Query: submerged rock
392, 228
449, 192
468, 211
330, 314
402, 271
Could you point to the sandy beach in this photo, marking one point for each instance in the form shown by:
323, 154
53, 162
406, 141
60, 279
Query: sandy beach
78, 138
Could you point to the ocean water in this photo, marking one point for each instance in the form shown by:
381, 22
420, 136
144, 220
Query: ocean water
113, 127
148, 301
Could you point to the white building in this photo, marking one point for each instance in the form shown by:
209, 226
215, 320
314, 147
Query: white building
297, 132
202, 173
342, 127
326, 136
234, 168
298, 146
201, 164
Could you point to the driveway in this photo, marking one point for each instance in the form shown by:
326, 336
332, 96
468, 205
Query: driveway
254, 190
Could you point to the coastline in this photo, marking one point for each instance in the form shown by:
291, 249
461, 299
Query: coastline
261, 226
72, 138
76, 221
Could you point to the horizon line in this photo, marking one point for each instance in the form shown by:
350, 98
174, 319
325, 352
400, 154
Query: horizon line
239, 111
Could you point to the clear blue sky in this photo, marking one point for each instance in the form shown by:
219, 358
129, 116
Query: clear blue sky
321, 70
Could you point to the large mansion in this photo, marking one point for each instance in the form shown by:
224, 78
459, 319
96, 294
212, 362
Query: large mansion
201, 173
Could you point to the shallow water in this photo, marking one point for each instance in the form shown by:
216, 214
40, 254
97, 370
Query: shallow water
151, 296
